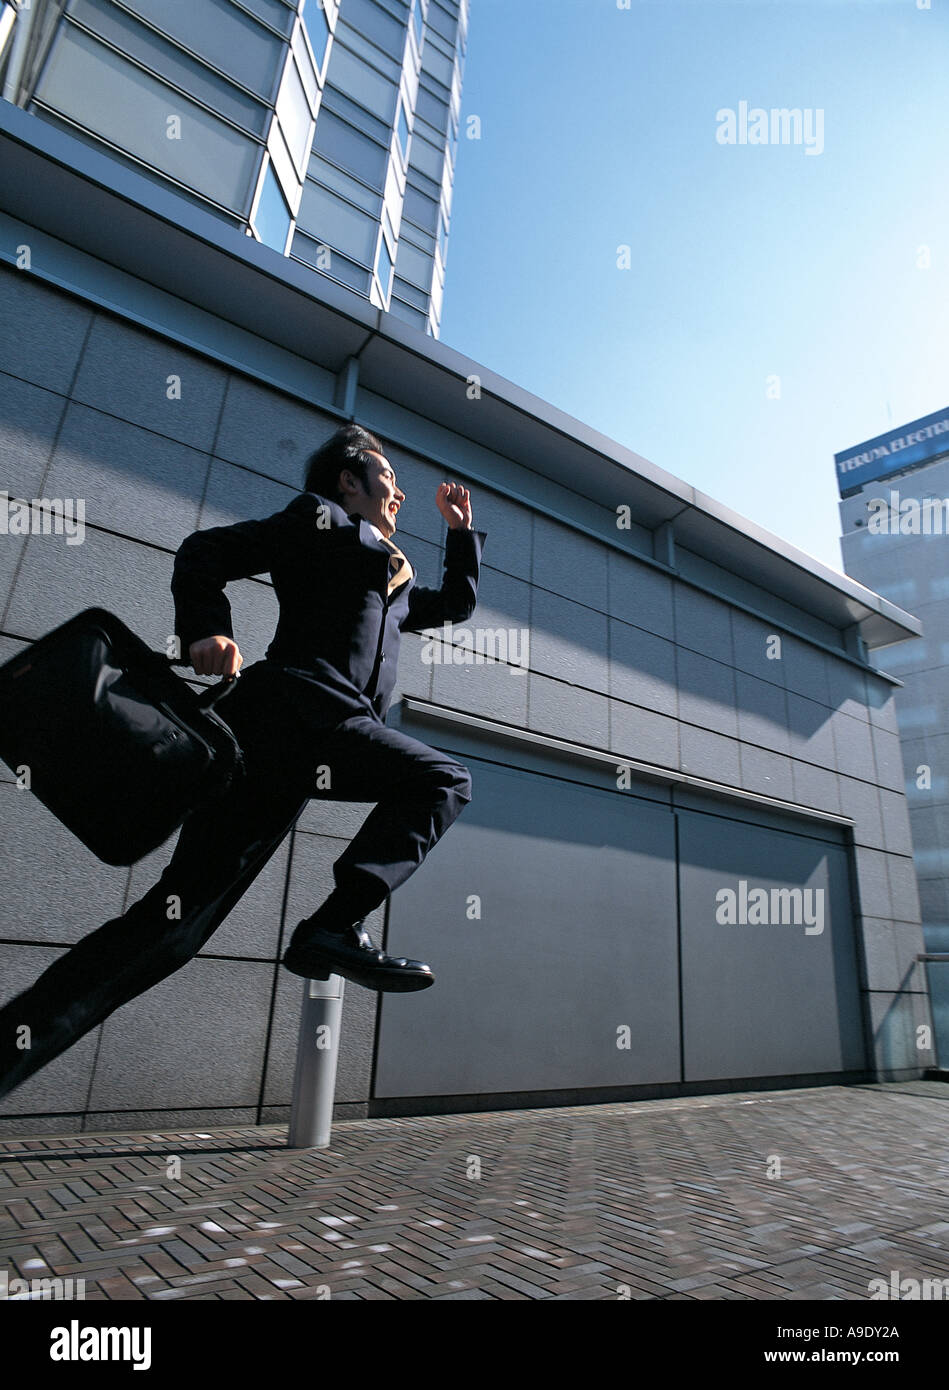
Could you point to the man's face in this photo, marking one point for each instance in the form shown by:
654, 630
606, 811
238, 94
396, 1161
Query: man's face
382, 500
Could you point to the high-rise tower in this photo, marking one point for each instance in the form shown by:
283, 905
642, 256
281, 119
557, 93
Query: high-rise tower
894, 513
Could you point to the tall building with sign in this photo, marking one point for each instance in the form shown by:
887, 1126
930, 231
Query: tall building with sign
894, 512
327, 129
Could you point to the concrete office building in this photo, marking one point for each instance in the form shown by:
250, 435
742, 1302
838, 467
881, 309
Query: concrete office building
894, 514
326, 129
686, 865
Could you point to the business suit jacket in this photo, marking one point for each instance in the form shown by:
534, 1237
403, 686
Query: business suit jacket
339, 627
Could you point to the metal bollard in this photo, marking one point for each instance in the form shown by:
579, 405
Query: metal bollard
314, 1079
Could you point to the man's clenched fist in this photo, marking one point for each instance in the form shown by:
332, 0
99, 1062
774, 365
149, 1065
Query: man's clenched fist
454, 503
215, 656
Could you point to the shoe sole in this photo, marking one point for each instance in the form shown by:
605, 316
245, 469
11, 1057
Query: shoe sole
383, 981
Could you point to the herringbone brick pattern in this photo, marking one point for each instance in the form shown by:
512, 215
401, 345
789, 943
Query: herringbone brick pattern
778, 1195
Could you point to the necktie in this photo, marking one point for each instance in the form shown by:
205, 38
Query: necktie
401, 569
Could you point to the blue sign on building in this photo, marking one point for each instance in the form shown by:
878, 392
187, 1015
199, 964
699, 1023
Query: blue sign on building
891, 453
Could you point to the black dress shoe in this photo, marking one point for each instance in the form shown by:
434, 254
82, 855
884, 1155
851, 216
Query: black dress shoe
350, 953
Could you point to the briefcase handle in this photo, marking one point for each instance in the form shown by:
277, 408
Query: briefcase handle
212, 693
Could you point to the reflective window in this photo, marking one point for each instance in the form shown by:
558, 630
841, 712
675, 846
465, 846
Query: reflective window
356, 115
227, 219
442, 22
99, 89
415, 237
305, 66
403, 131
399, 9
338, 141
442, 237
370, 54
367, 18
8, 17
410, 294
363, 83
420, 209
424, 185
293, 113
402, 311
221, 33
166, 60
280, 155
384, 267
311, 253
431, 109
428, 158
272, 221
418, 19
437, 64
317, 31
329, 219
275, 12
414, 265
331, 177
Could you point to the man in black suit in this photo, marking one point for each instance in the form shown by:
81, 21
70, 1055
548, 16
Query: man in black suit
310, 719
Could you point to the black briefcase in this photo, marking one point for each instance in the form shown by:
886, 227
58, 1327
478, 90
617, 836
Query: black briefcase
101, 729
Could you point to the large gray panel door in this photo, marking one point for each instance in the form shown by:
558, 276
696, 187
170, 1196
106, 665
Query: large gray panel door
576, 941
772, 997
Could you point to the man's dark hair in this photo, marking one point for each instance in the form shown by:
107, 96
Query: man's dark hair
348, 448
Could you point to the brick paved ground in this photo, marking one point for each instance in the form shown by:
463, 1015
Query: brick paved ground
669, 1198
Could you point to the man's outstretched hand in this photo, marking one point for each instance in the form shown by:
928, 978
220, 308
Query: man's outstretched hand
215, 656
454, 504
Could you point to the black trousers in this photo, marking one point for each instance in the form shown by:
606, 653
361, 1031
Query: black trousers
291, 757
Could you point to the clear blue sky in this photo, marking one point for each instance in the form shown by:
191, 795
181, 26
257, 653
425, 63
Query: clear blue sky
598, 128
